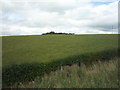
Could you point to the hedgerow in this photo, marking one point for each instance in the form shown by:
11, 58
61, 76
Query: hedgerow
28, 71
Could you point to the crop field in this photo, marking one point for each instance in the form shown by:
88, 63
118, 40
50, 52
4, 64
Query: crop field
25, 57
22, 49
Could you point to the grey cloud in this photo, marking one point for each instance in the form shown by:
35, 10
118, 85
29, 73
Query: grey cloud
35, 18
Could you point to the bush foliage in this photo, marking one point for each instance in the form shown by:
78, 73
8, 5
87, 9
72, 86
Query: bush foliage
28, 71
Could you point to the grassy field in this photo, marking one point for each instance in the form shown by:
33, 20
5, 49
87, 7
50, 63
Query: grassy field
98, 75
47, 48
26, 57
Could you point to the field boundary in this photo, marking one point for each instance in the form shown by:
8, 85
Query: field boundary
29, 71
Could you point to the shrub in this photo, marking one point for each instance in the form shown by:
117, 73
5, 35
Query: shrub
28, 71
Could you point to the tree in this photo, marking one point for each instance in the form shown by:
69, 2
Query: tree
52, 32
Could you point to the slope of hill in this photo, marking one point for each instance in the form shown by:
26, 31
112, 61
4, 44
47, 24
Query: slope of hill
21, 49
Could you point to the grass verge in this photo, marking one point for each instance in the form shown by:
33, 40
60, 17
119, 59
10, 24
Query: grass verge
98, 75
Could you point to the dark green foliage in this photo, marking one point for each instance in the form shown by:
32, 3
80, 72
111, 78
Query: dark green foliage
52, 32
27, 72
23, 72
98, 75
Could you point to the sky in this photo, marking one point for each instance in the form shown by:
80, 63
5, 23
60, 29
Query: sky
34, 17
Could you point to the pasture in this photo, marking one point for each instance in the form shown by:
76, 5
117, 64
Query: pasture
47, 48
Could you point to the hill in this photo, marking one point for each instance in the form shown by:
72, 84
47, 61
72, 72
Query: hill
21, 49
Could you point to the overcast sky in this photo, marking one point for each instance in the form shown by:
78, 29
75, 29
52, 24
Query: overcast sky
33, 17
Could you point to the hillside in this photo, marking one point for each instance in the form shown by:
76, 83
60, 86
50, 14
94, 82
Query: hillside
21, 49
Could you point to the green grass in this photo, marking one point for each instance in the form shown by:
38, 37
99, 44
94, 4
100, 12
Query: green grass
98, 75
47, 48
26, 57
